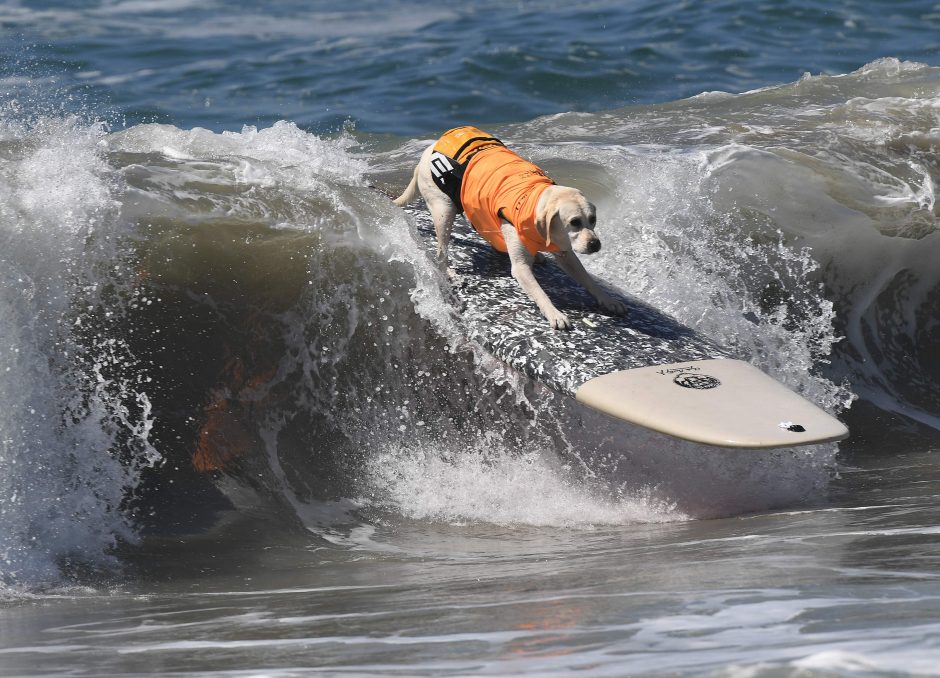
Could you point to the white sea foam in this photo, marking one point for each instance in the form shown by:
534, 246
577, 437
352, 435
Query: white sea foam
63, 415
482, 481
288, 155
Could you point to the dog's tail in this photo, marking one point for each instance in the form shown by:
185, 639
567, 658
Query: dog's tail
410, 193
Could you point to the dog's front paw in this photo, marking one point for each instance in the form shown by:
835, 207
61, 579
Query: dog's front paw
611, 305
559, 321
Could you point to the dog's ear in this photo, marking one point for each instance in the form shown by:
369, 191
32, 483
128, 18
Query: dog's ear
543, 218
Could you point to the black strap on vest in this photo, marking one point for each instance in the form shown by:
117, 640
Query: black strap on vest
448, 176
496, 142
448, 172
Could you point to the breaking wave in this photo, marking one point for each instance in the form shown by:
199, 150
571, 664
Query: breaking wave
183, 308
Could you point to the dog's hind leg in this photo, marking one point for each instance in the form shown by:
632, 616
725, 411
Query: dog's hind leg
443, 213
442, 208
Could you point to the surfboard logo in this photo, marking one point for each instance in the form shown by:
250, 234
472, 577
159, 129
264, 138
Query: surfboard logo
696, 381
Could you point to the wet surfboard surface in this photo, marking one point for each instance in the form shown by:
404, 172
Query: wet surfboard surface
642, 367
508, 324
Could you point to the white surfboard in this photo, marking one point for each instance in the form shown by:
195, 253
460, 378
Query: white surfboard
644, 367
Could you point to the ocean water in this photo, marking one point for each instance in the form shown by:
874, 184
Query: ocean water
242, 431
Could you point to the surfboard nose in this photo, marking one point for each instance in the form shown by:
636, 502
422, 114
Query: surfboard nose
720, 402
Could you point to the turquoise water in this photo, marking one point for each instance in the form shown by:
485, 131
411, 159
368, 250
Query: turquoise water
242, 431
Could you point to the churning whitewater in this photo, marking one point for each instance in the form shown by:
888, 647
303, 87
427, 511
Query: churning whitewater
183, 305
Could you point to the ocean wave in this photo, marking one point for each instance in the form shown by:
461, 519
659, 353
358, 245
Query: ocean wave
184, 306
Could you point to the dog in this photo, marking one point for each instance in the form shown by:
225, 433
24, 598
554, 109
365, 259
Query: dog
514, 206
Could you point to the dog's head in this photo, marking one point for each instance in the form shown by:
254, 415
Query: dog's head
565, 217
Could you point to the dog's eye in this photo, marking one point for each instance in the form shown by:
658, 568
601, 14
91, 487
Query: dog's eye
592, 220
575, 223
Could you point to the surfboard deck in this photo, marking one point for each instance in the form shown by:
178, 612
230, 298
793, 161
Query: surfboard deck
643, 367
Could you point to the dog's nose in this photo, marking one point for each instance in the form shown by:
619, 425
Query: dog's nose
594, 246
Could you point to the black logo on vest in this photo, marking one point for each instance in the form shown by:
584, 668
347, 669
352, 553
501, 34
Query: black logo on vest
696, 381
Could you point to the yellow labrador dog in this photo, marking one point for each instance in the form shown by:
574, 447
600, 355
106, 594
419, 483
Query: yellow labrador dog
514, 206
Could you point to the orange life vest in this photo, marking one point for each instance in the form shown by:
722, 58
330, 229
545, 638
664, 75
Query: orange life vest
493, 183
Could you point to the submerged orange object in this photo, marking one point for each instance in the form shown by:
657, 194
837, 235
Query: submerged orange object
221, 438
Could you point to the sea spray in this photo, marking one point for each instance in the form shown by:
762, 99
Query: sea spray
73, 436
300, 292
476, 480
